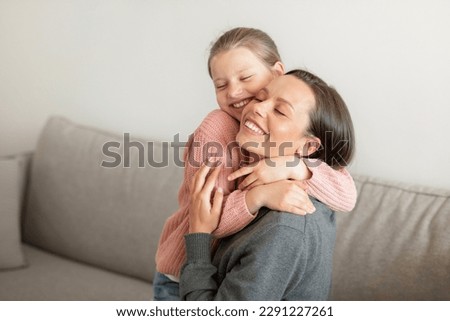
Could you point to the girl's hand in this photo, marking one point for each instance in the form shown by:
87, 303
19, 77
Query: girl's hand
285, 196
204, 217
271, 170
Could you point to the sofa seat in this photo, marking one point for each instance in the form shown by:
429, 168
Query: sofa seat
51, 277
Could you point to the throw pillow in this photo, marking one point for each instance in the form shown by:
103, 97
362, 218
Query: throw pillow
11, 179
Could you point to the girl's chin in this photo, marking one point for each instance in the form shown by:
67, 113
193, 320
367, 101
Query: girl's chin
233, 112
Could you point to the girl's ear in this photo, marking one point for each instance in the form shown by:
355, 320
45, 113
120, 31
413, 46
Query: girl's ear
312, 144
278, 68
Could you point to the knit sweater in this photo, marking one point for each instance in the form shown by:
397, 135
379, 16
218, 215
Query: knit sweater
216, 135
278, 256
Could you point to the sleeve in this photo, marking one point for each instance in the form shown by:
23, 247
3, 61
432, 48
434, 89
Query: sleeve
334, 188
197, 280
264, 272
235, 214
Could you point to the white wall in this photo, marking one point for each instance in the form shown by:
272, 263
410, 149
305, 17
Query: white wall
140, 67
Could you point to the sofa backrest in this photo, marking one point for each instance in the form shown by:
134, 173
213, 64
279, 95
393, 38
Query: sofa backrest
395, 244
110, 217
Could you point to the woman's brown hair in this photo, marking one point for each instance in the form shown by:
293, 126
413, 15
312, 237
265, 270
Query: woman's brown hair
330, 121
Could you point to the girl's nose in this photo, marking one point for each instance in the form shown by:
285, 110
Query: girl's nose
234, 90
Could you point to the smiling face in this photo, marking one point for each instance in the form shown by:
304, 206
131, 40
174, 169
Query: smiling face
238, 75
276, 121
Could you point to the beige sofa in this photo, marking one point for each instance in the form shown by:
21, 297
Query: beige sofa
72, 229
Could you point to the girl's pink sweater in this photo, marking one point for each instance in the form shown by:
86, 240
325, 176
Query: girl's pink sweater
217, 134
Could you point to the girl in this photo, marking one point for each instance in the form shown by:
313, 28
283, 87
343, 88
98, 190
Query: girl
278, 256
241, 62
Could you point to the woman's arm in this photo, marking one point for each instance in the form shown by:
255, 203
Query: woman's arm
264, 271
204, 217
198, 280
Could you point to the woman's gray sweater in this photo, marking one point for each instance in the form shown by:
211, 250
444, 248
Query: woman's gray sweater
279, 256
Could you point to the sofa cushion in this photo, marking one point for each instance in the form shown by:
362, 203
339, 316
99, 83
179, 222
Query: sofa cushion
12, 179
110, 217
51, 277
395, 244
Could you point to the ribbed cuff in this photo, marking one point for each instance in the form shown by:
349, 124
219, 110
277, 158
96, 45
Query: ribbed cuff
198, 247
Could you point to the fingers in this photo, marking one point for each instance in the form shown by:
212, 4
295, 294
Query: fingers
240, 172
296, 210
305, 207
199, 179
302, 210
211, 181
203, 216
250, 179
304, 203
299, 210
217, 202
310, 207
301, 184
300, 201
303, 199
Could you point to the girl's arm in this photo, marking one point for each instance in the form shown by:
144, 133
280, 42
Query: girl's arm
235, 214
335, 188
239, 207
285, 196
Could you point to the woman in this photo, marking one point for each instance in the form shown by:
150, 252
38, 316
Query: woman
279, 256
241, 62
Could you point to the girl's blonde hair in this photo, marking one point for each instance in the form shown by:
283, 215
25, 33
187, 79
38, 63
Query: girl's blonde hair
255, 40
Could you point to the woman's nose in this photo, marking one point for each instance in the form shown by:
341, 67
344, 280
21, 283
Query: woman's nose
261, 108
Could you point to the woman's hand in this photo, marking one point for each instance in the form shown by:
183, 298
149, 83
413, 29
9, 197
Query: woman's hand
284, 196
271, 170
204, 217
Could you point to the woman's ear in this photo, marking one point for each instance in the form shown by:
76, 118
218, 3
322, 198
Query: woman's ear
278, 68
312, 144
